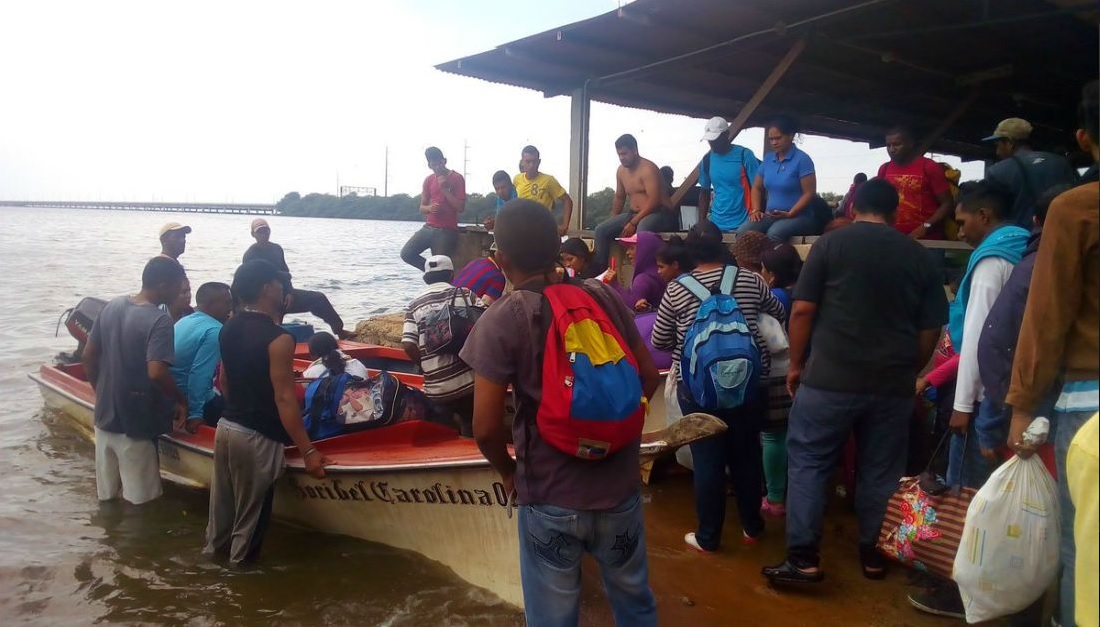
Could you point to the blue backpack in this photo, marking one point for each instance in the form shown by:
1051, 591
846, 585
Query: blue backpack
720, 363
321, 417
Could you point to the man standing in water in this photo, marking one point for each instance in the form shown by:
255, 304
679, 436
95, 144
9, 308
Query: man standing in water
300, 301
541, 187
173, 240
261, 416
442, 198
641, 180
127, 362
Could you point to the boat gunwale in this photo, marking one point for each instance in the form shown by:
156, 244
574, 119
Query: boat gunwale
292, 464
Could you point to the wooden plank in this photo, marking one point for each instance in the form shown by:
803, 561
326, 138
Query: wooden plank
746, 112
948, 121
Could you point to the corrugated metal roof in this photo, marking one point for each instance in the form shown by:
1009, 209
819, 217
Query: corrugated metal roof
868, 65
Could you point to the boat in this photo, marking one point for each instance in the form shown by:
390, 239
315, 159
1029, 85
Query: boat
413, 485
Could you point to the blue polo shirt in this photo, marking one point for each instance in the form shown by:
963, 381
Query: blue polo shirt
783, 179
730, 175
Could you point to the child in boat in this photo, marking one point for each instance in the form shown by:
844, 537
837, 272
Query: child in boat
576, 257
326, 355
569, 504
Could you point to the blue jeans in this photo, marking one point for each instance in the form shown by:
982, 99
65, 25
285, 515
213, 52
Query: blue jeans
659, 221
782, 230
820, 424
965, 465
1067, 426
738, 450
552, 541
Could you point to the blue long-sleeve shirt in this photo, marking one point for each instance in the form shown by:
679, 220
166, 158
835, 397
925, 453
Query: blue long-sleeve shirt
197, 356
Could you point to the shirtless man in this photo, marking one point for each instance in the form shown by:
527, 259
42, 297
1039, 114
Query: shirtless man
649, 203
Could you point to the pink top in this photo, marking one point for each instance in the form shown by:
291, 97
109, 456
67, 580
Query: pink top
447, 215
945, 363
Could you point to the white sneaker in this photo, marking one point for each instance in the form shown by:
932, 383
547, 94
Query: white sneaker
693, 543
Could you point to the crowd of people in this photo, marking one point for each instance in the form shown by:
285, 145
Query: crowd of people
797, 358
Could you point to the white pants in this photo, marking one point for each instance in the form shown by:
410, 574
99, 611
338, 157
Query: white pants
126, 467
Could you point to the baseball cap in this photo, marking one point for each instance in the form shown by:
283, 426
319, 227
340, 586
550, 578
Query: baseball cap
438, 263
715, 127
1011, 128
173, 226
633, 239
259, 223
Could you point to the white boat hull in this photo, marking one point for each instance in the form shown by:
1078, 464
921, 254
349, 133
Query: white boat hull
454, 514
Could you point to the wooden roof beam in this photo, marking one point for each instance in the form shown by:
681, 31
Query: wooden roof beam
746, 112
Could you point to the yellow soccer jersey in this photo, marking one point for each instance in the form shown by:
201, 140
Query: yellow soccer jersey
544, 189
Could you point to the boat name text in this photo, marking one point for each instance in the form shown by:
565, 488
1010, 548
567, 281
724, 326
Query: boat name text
385, 492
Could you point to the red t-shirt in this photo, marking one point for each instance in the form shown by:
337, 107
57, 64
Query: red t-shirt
447, 216
918, 182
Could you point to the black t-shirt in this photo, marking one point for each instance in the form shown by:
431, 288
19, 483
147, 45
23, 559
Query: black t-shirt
250, 399
269, 252
875, 289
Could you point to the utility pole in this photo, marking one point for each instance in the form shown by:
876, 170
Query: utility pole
465, 157
386, 175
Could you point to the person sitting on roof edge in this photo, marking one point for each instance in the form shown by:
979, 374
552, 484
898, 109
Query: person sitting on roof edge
298, 301
442, 198
541, 187
725, 178
638, 178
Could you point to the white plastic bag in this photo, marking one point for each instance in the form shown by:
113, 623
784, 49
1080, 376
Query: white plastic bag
672, 407
1008, 556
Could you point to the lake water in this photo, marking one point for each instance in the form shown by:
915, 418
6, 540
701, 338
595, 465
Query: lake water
65, 559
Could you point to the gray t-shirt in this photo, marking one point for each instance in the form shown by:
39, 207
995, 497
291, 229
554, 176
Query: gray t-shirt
130, 336
1028, 174
504, 348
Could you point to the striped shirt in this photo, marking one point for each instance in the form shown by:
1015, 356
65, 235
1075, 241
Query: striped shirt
679, 306
446, 377
482, 277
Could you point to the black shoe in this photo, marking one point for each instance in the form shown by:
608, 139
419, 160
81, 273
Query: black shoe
944, 600
789, 573
873, 563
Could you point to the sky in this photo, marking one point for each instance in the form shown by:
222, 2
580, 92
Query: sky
245, 101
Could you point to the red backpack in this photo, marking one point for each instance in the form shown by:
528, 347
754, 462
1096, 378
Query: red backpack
592, 401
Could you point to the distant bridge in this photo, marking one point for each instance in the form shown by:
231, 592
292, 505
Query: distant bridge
185, 207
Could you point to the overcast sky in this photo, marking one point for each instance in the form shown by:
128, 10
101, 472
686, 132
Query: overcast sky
245, 101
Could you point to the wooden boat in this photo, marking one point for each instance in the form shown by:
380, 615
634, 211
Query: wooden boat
414, 485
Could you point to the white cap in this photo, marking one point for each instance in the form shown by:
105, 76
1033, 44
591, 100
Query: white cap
438, 263
715, 127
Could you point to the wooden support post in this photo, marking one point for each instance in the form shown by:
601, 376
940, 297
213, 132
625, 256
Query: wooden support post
948, 121
578, 155
750, 107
